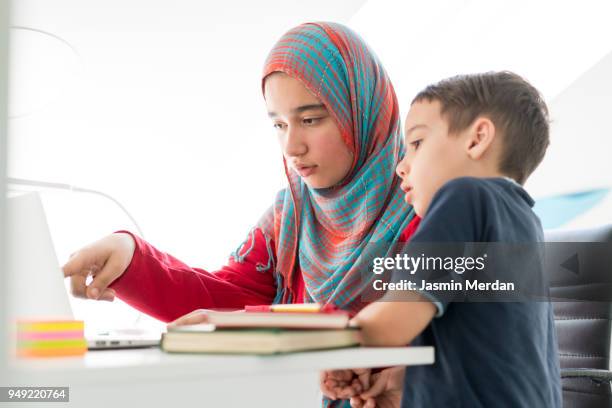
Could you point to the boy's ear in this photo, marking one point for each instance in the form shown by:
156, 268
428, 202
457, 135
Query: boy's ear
481, 136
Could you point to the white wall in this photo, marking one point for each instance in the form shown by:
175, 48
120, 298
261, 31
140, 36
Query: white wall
580, 153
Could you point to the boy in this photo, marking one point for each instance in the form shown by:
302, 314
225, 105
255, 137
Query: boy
472, 141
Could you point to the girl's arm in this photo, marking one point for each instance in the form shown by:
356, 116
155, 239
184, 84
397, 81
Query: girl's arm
160, 285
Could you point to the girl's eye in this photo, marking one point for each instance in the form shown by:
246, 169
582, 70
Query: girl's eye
279, 126
416, 144
310, 121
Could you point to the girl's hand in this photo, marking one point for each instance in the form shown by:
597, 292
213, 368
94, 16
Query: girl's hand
105, 260
195, 317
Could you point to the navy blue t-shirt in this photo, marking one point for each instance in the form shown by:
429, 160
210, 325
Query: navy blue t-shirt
494, 354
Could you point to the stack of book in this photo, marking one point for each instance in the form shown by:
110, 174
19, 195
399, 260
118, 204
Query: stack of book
50, 338
264, 330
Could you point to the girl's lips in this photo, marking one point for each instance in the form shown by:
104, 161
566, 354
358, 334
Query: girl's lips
306, 171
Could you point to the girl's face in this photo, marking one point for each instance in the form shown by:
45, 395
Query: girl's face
308, 135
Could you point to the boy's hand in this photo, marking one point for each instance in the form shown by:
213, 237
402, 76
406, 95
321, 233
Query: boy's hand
385, 391
344, 384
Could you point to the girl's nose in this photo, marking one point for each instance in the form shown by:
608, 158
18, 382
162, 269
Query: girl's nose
294, 143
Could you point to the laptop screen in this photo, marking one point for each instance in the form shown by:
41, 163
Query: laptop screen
36, 282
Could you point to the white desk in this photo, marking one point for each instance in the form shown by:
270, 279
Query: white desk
152, 378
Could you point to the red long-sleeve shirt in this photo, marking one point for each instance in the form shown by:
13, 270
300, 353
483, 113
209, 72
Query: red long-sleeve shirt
158, 284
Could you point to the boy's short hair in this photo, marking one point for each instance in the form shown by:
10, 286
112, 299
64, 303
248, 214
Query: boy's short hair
514, 106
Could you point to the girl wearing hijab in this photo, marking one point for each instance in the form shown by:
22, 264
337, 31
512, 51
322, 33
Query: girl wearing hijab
337, 118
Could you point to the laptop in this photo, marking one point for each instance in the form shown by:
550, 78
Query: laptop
37, 289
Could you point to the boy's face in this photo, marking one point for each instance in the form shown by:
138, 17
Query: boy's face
308, 135
433, 157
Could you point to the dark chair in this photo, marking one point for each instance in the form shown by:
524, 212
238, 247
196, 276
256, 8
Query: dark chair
583, 320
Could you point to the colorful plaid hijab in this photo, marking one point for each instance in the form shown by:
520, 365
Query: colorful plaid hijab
323, 232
